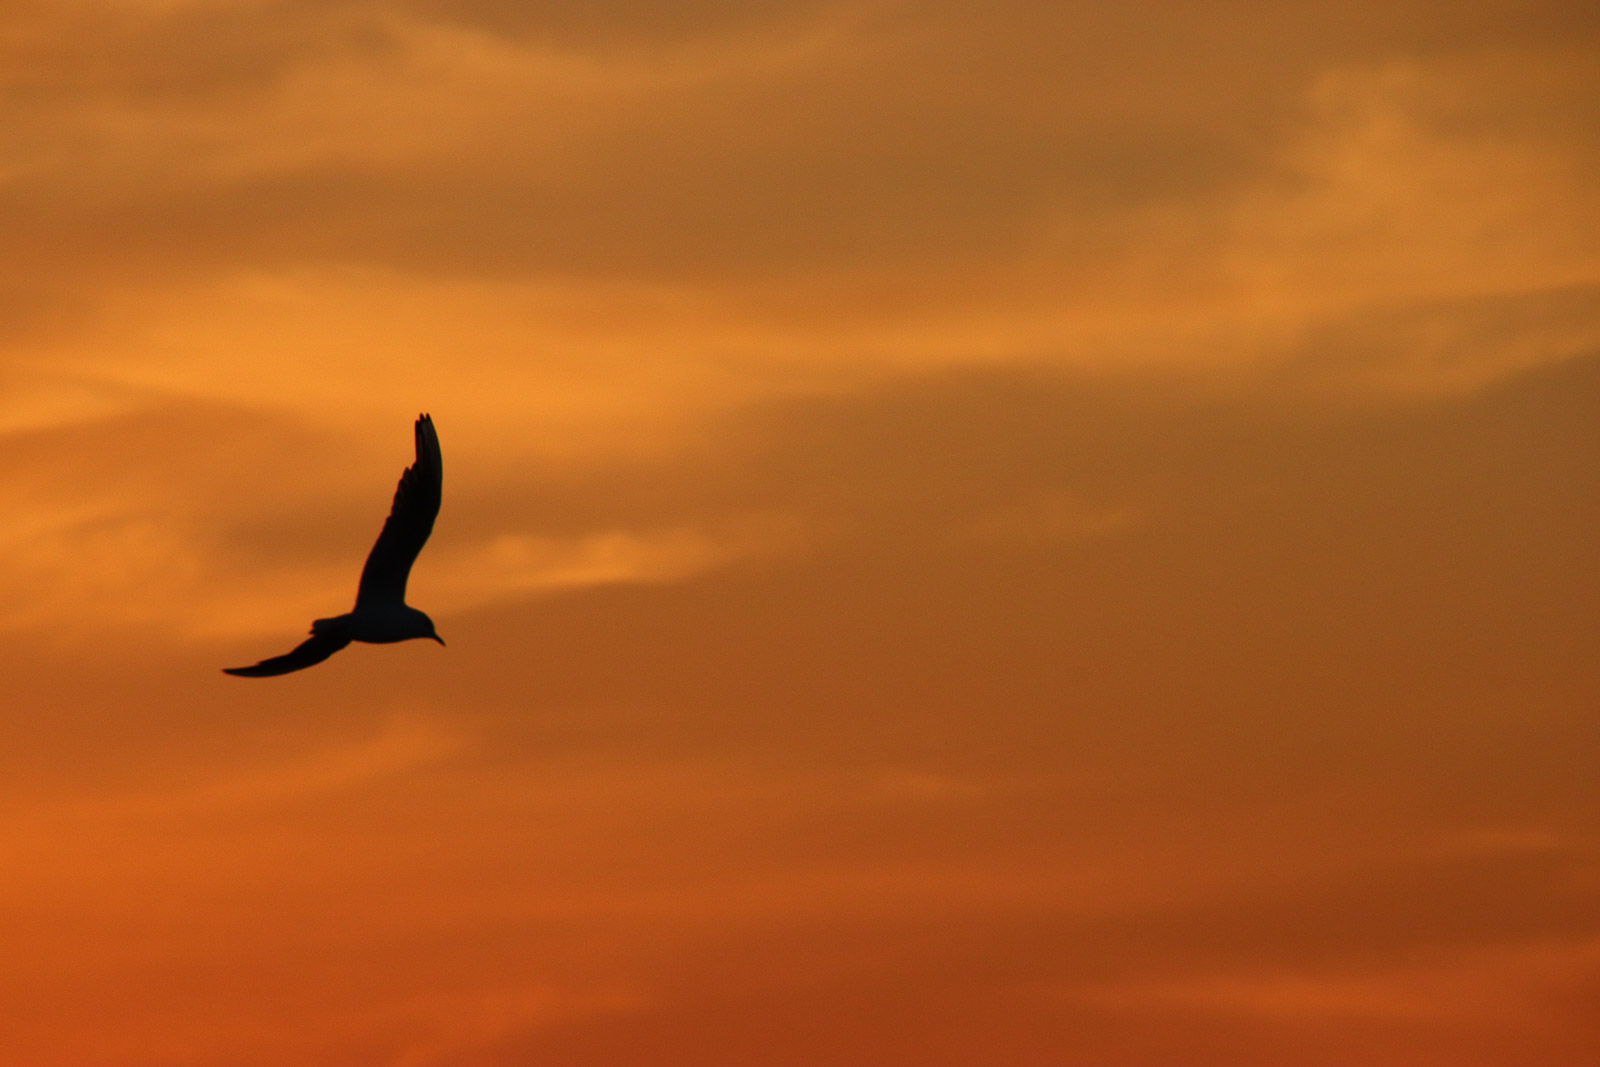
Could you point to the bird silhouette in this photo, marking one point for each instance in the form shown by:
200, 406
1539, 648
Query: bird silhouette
381, 614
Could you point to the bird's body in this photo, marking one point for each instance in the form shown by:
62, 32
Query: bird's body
381, 615
381, 624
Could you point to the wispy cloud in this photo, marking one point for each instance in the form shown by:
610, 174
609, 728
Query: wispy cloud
1022, 533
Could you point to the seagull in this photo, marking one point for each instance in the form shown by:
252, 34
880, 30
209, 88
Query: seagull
381, 615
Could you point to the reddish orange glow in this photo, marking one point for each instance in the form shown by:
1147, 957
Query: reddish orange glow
973, 534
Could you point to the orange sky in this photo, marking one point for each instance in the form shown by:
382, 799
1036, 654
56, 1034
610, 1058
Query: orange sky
974, 534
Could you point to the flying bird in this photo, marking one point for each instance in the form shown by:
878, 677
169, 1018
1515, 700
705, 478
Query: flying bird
381, 615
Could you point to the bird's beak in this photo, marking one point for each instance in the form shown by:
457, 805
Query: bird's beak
437, 638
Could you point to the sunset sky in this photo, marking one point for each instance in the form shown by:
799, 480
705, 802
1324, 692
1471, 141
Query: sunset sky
975, 534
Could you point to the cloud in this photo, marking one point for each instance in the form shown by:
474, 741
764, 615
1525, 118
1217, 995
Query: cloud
813, 145
133, 510
514, 566
973, 533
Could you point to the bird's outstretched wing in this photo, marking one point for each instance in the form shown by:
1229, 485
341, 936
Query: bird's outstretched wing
312, 650
416, 505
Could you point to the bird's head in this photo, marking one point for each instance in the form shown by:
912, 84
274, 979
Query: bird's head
424, 626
